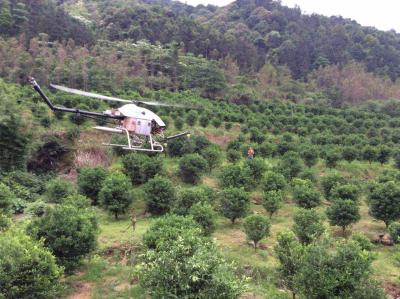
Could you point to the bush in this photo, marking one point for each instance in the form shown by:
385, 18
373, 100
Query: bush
343, 213
256, 227
306, 197
195, 260
27, 269
234, 203
18, 206
362, 241
90, 180
57, 189
78, 201
384, 202
332, 157
191, 168
308, 225
203, 213
5, 222
6, 199
272, 201
115, 194
290, 165
160, 195
233, 155
188, 197
37, 208
235, 176
140, 168
329, 182
349, 153
394, 231
69, 232
256, 168
179, 147
347, 191
273, 182
213, 156
310, 156
168, 228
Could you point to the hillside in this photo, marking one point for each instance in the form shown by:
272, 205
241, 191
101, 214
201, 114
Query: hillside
315, 213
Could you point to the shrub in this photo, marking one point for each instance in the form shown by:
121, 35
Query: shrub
306, 197
290, 165
234, 203
37, 208
140, 168
27, 269
6, 199
362, 241
191, 168
188, 197
18, 205
256, 168
195, 260
273, 182
256, 227
5, 222
310, 156
308, 225
384, 202
329, 182
350, 153
343, 213
369, 153
78, 201
213, 156
160, 195
235, 176
203, 213
115, 194
57, 189
332, 157
90, 180
272, 201
384, 153
233, 155
69, 232
346, 191
191, 118
394, 231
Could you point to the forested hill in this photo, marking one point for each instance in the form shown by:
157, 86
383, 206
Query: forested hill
258, 48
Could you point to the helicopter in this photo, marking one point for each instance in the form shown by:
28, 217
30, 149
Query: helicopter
143, 128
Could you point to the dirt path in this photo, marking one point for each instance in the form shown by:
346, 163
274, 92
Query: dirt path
83, 290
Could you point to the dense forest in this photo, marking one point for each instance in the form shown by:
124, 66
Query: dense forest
288, 185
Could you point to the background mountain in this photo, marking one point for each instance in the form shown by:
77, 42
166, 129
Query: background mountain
258, 48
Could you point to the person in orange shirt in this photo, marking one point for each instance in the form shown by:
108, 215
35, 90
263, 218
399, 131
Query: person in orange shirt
250, 153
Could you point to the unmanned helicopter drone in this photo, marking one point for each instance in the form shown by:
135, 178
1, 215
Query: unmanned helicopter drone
143, 128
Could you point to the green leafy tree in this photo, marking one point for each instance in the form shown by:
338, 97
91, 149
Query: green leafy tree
58, 189
235, 176
256, 168
310, 156
7, 198
160, 195
332, 157
273, 181
256, 228
306, 197
191, 168
203, 213
27, 268
329, 182
189, 197
308, 225
343, 212
384, 202
69, 232
233, 155
384, 153
90, 180
291, 164
346, 191
234, 203
191, 118
272, 201
362, 241
115, 194
394, 231
350, 153
289, 252
140, 168
213, 156
370, 153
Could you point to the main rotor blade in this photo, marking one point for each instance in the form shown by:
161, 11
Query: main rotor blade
88, 94
159, 104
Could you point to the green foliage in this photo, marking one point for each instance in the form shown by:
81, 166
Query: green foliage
69, 232
203, 213
349, 153
384, 202
362, 241
343, 212
235, 176
273, 181
272, 201
256, 228
328, 273
310, 155
233, 155
213, 156
346, 191
27, 269
306, 197
289, 252
6, 199
394, 231
329, 182
58, 189
5, 222
18, 205
256, 168
383, 155
189, 197
37, 208
195, 260
140, 168
234, 203
308, 225
290, 165
90, 180
369, 153
159, 195
191, 168
115, 194
332, 157
78, 201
